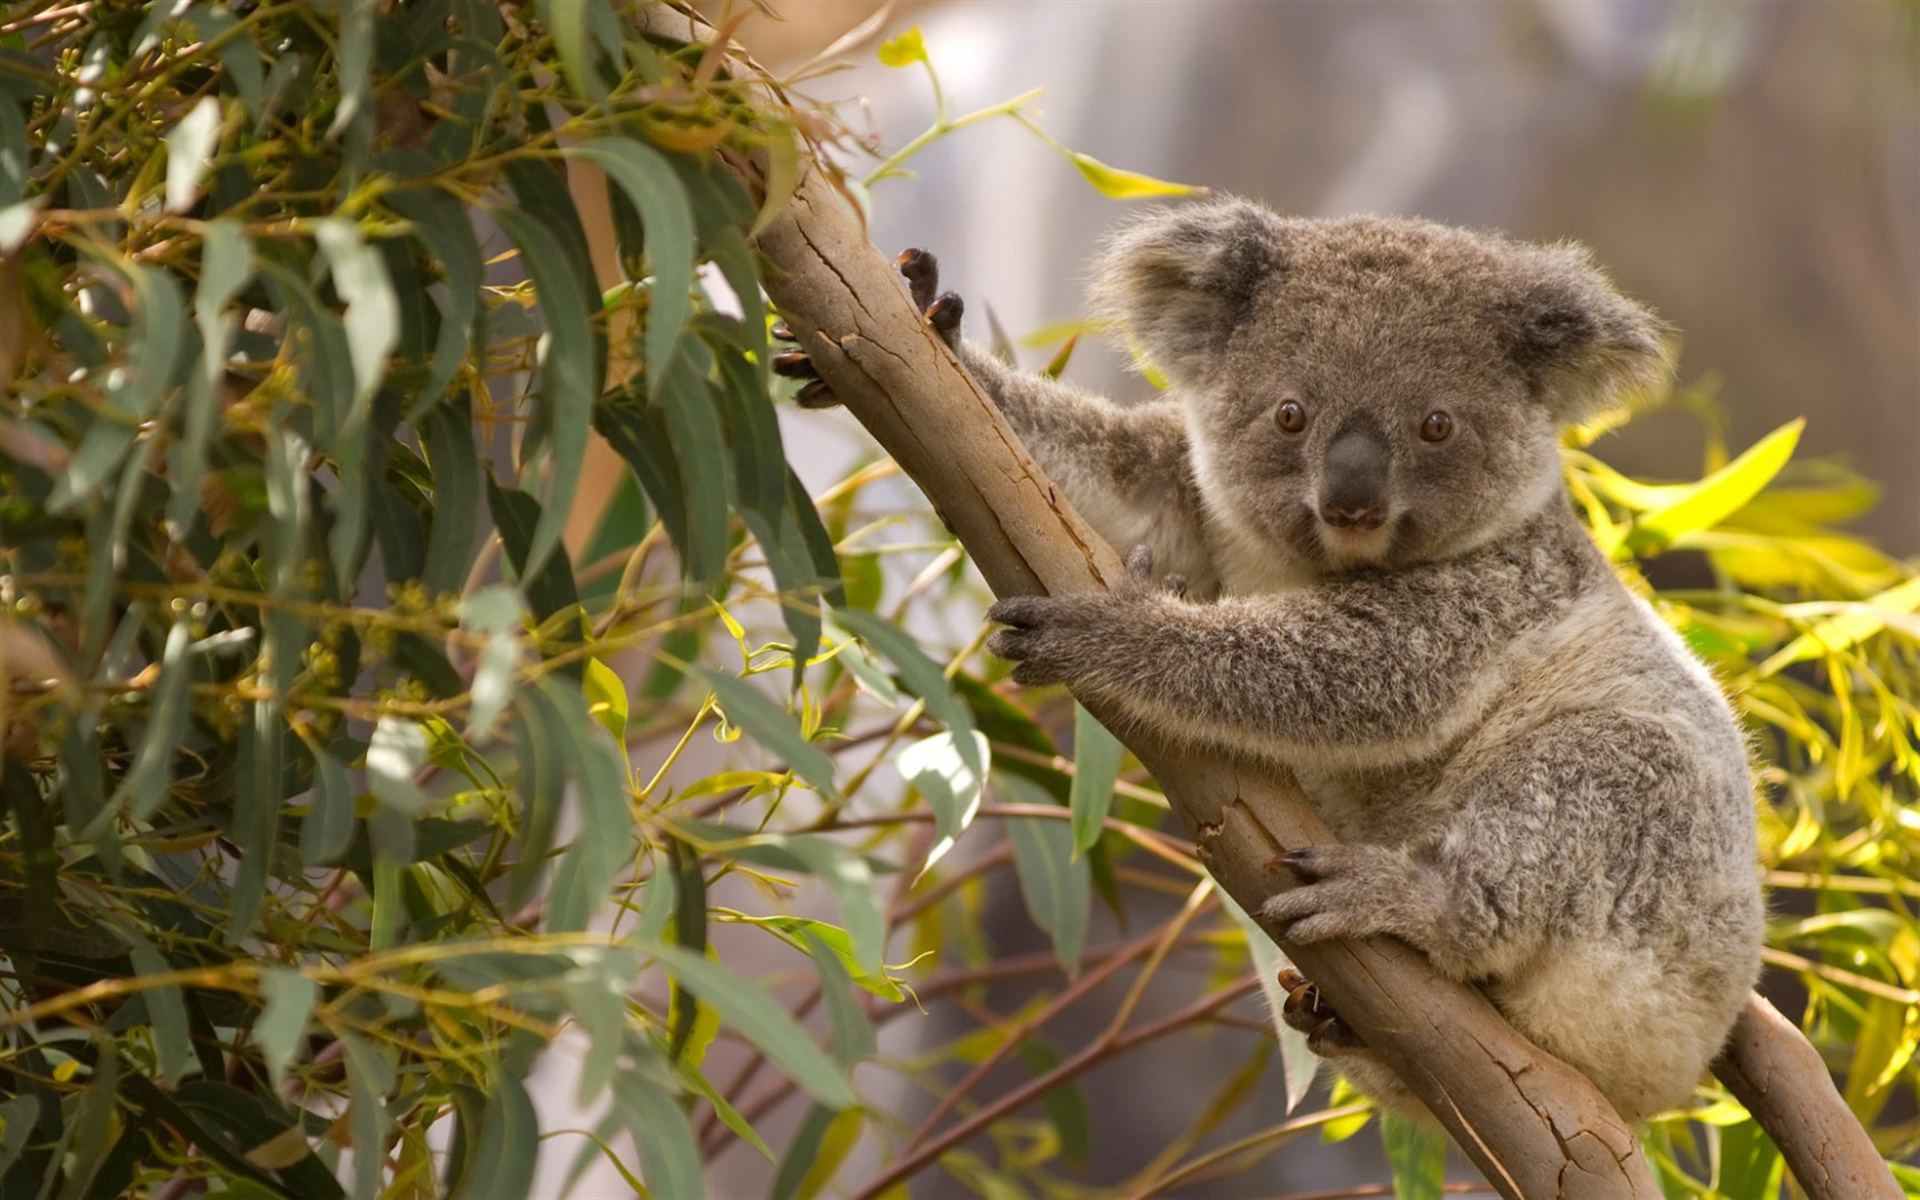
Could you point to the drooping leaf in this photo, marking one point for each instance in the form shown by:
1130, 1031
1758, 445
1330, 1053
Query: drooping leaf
282, 1024
764, 1023
166, 1011
509, 1142
644, 174
1096, 768
569, 378
190, 144
668, 1149
1053, 882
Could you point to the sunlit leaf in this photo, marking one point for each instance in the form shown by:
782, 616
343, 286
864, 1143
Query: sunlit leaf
1418, 1155
1849, 629
938, 768
1128, 185
904, 49
1714, 498
189, 145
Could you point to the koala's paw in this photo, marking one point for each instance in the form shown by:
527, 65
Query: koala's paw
1051, 639
1066, 639
943, 312
1347, 891
1307, 1010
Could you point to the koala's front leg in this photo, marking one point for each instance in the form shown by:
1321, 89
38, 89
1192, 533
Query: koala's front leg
1078, 640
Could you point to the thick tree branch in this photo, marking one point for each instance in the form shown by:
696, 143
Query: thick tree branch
1780, 1078
1535, 1126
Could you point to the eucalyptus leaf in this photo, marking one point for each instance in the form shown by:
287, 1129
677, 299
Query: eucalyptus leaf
1096, 768
1053, 882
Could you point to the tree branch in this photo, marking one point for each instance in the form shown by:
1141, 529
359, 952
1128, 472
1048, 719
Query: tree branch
1534, 1125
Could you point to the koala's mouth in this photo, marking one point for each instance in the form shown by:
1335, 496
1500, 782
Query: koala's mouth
1356, 541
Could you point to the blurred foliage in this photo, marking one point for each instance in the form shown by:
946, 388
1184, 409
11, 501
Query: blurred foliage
337, 786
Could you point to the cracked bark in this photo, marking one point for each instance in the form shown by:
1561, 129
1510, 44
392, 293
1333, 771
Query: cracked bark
1532, 1124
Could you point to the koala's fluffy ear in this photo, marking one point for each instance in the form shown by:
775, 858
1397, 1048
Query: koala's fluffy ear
1181, 280
1579, 342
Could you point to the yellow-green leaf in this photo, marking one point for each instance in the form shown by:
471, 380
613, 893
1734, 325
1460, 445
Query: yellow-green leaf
1851, 627
1717, 496
1128, 185
904, 50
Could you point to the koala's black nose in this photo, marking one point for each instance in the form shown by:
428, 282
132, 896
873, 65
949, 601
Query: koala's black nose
1353, 489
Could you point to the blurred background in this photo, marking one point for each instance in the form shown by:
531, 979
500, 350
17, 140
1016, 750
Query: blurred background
1751, 169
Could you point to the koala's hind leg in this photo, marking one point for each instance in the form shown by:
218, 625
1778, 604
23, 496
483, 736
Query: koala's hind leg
1332, 1038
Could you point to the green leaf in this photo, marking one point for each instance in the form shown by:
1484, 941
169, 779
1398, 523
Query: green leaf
602, 845
166, 1010
448, 440
369, 1078
847, 875
925, 679
648, 180
133, 395
494, 614
849, 1034
328, 825
668, 1149
903, 50
441, 224
281, 1027
1750, 1163
515, 516
1066, 1104
566, 21
354, 61
1053, 881
17, 1117
607, 698
569, 381
1418, 1156
1096, 768
372, 317
1127, 185
190, 144
938, 768
509, 1143
145, 783
772, 726
1716, 497
93, 1118
226, 264
763, 1022
694, 429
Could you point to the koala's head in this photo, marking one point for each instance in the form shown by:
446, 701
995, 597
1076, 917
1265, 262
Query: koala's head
1373, 390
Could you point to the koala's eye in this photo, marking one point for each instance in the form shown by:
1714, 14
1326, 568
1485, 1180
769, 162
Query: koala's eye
1436, 427
1291, 416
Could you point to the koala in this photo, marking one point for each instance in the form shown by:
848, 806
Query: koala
1356, 560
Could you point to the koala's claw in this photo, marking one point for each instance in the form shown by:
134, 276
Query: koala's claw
942, 311
1307, 1010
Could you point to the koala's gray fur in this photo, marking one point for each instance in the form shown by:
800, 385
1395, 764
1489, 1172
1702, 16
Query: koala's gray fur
1531, 778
